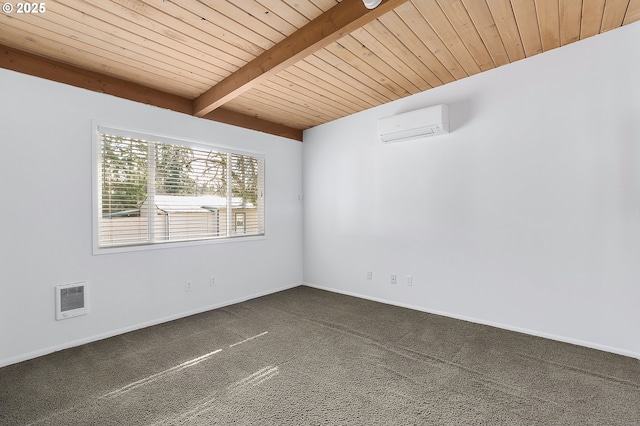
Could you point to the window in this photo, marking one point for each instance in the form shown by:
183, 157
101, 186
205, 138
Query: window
154, 190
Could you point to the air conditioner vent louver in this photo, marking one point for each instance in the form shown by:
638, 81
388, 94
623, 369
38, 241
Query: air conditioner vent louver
416, 124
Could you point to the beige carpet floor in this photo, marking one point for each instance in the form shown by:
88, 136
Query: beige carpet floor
310, 357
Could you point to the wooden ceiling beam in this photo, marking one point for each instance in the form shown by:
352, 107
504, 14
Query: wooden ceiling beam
340, 20
27, 63
224, 115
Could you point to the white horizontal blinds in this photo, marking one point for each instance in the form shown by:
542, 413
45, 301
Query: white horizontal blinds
123, 189
190, 193
189, 198
247, 188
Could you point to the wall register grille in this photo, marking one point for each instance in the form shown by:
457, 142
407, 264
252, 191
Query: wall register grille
71, 300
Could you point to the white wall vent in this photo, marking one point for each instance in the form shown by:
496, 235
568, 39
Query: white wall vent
71, 300
417, 124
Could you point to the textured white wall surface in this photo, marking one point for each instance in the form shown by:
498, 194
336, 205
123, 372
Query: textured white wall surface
46, 223
526, 216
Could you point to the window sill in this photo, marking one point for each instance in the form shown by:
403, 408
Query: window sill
97, 251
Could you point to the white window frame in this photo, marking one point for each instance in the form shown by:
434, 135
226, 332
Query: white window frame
99, 127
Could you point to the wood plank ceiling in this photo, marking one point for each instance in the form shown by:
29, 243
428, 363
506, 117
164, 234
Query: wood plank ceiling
282, 66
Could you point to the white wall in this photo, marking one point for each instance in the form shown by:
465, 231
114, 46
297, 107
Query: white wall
45, 223
526, 216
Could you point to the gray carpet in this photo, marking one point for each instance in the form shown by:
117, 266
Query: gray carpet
309, 357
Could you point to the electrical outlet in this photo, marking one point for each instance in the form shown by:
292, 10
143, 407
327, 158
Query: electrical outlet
212, 281
394, 279
409, 280
370, 275
187, 286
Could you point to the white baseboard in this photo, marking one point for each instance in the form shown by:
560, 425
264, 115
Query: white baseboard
550, 336
101, 336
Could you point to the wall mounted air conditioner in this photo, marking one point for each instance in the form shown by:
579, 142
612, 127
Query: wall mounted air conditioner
417, 124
